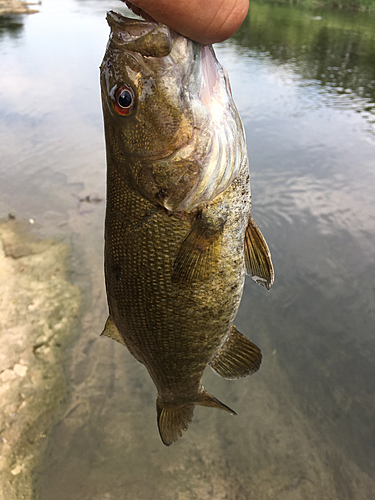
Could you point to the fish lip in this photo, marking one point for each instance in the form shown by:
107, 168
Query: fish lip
117, 20
135, 35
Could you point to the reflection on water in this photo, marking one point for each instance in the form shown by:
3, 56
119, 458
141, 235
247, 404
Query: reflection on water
11, 26
334, 49
305, 90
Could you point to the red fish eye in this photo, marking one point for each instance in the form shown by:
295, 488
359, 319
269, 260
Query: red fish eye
124, 100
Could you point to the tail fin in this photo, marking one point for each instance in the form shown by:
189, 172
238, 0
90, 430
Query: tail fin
172, 420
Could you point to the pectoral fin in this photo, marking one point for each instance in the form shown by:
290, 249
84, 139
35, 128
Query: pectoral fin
110, 330
257, 256
199, 252
238, 357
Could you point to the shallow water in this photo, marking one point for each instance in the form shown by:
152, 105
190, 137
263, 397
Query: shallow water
304, 83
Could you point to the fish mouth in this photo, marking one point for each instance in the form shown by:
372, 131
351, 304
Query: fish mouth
148, 38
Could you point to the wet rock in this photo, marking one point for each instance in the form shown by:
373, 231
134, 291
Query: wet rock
38, 317
21, 244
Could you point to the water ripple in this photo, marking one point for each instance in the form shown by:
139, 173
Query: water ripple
334, 203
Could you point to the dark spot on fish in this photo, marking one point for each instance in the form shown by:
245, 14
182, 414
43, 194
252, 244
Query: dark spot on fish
161, 195
116, 270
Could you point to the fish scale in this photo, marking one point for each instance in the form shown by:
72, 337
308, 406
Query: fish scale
158, 306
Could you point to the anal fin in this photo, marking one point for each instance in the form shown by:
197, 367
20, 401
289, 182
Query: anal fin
257, 256
238, 357
110, 330
199, 252
205, 399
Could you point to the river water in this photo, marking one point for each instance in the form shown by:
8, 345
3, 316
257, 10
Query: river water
304, 83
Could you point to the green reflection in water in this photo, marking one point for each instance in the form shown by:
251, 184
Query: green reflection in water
11, 26
334, 48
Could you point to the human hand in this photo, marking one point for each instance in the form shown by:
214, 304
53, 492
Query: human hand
205, 21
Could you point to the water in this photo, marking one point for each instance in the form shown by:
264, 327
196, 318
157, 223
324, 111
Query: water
304, 82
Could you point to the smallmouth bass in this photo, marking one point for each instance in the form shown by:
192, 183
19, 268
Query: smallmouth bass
179, 235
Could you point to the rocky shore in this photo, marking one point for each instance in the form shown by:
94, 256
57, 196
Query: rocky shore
38, 315
8, 7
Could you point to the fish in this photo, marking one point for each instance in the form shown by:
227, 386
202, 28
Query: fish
179, 235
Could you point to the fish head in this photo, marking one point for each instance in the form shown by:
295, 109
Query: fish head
170, 120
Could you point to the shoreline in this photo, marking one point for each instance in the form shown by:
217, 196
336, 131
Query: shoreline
346, 5
10, 7
38, 316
